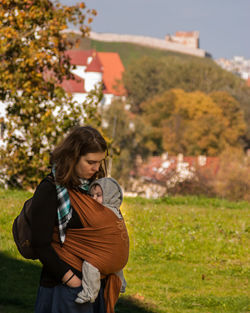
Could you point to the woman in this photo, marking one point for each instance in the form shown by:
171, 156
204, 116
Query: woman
76, 162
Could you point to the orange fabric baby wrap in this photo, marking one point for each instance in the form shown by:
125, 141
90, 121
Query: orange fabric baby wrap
103, 241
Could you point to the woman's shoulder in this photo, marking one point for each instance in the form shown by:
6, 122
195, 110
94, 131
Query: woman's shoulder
45, 196
47, 185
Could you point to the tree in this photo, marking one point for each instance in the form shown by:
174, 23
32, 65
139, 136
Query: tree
193, 123
233, 177
155, 114
143, 79
148, 76
208, 77
198, 74
33, 64
236, 126
242, 95
128, 139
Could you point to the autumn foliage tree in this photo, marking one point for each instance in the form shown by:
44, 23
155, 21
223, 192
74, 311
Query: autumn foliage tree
194, 123
148, 77
233, 178
33, 63
235, 125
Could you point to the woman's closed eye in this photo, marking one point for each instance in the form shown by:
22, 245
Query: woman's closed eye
92, 162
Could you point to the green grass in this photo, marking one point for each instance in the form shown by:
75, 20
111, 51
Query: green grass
130, 51
187, 254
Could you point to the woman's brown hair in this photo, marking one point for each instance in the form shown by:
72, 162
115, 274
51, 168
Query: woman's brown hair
80, 141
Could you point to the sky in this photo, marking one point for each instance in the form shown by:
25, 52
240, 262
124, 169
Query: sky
224, 25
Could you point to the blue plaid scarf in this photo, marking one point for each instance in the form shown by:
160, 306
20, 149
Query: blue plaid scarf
64, 210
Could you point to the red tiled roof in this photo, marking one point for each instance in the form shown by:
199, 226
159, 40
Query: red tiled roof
79, 57
185, 34
158, 169
107, 63
112, 72
73, 85
95, 65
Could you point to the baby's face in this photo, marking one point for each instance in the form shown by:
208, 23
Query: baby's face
96, 193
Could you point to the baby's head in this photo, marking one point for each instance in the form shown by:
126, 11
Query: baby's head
107, 191
96, 193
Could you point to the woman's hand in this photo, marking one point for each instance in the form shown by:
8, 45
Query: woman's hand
71, 280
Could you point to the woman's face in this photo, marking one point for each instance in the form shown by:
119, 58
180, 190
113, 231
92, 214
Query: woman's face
89, 164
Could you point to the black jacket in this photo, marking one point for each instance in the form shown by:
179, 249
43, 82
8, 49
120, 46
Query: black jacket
44, 219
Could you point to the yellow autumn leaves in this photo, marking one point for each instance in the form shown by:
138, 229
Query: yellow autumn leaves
194, 122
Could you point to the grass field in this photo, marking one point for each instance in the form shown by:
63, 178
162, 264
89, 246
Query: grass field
187, 254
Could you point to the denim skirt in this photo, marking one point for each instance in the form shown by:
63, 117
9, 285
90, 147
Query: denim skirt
61, 299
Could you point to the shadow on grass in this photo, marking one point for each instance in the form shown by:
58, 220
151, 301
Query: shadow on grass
127, 304
19, 283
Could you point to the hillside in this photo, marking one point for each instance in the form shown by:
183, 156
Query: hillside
202, 70
130, 51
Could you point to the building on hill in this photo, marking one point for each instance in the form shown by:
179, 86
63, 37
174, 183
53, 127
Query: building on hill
189, 39
91, 68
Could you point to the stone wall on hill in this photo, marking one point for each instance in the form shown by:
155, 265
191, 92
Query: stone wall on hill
150, 42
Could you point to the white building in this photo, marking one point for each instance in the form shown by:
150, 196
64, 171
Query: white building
238, 65
91, 68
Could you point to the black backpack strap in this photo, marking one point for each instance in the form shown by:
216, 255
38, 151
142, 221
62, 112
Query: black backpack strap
50, 178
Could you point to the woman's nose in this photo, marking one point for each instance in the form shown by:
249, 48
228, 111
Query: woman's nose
96, 167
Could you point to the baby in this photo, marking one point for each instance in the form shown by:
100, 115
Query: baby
108, 192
